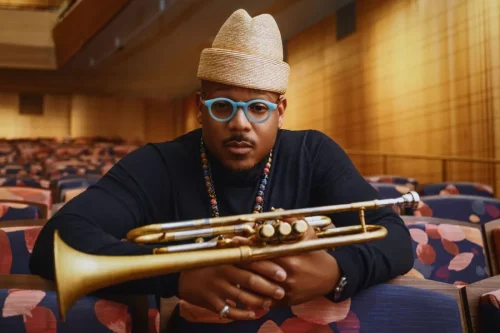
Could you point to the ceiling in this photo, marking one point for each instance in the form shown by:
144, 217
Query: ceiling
158, 51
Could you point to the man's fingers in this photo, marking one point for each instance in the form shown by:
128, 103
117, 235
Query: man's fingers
245, 298
233, 312
239, 241
266, 268
254, 282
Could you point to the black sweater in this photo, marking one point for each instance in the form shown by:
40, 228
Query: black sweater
164, 182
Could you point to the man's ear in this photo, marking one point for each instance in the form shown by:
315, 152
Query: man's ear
199, 106
281, 111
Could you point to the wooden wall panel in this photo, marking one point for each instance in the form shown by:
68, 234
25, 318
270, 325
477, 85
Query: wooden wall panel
108, 116
54, 121
418, 76
146, 120
159, 121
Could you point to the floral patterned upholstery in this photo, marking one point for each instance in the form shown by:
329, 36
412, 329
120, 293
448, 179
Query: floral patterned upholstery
466, 208
453, 188
16, 245
489, 312
34, 311
447, 252
383, 308
37, 310
398, 180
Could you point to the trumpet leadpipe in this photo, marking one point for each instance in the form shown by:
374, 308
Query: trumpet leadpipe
410, 199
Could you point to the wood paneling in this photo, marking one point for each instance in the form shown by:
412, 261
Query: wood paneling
169, 119
418, 76
54, 122
76, 28
108, 116
83, 115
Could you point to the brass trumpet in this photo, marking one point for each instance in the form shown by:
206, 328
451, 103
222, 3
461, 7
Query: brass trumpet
78, 274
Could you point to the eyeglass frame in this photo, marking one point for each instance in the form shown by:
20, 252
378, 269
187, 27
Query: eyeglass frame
237, 105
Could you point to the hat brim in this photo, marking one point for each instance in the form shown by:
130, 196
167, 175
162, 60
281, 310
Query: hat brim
243, 70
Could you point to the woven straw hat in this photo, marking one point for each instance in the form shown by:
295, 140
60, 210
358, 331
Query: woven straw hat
247, 52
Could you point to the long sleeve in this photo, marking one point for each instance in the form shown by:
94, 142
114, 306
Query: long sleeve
131, 194
336, 181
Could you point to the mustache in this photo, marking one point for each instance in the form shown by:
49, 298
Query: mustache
238, 138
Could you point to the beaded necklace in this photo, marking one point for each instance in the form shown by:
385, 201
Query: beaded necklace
207, 172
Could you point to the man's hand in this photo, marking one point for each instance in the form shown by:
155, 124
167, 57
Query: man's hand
308, 275
214, 287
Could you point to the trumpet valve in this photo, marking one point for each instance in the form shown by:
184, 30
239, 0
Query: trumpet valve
299, 227
284, 229
265, 231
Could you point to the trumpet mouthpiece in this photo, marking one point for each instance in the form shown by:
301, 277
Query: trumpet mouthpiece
411, 199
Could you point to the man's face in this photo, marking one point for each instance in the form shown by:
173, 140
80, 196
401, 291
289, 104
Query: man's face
238, 143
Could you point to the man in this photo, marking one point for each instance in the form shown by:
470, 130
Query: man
240, 161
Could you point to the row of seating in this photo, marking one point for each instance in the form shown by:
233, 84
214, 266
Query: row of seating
411, 303
37, 176
440, 188
452, 253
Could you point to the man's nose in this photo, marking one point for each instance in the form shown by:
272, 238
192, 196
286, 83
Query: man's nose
239, 121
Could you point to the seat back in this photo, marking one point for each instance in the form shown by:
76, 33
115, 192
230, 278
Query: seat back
29, 303
491, 231
466, 208
17, 239
453, 188
387, 308
390, 191
42, 197
480, 298
394, 179
10, 211
447, 251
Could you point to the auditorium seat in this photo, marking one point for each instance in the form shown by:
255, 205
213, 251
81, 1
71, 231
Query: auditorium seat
24, 181
10, 211
390, 191
467, 208
390, 308
491, 231
29, 303
32, 196
453, 188
489, 312
447, 251
482, 300
393, 179
65, 184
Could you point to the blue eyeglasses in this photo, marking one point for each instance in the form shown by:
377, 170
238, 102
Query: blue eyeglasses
223, 109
